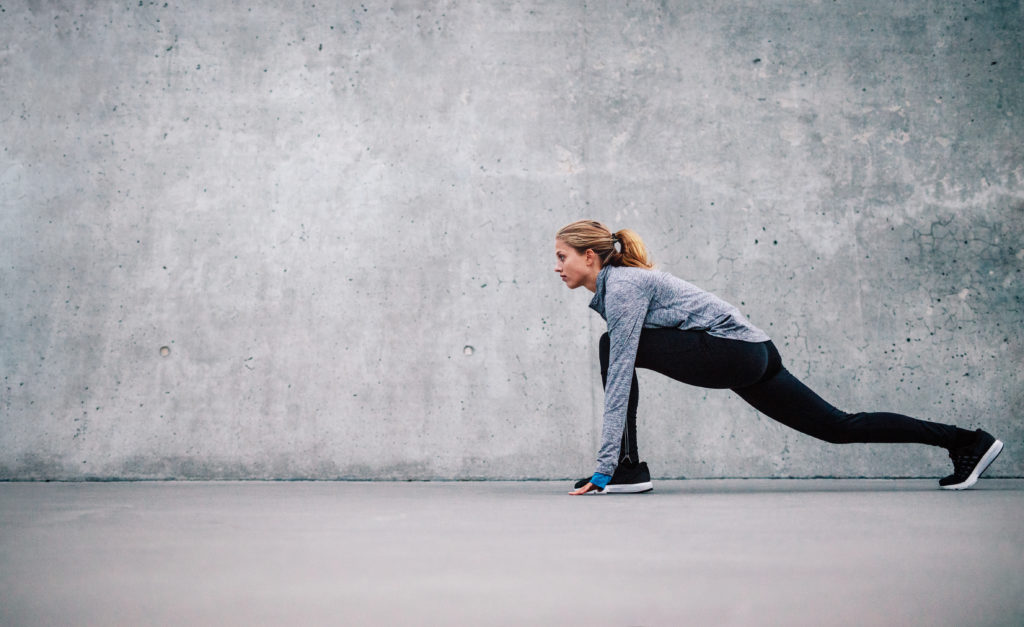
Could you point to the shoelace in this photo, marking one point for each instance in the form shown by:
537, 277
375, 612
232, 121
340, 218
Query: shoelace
963, 463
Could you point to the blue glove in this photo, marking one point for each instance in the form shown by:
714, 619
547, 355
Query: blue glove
600, 480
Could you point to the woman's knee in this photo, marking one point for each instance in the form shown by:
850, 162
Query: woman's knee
844, 429
835, 427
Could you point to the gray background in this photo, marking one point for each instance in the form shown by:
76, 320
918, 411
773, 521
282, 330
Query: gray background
317, 208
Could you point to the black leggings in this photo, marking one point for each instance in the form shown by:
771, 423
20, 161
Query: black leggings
755, 372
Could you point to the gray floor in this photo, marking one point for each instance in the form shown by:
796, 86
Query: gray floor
753, 552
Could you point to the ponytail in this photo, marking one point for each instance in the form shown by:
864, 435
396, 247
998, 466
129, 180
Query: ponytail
633, 251
622, 248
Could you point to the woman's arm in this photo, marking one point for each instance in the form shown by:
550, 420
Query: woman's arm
625, 310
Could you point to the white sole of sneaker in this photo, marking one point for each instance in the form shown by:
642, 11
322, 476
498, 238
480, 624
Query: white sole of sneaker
990, 456
628, 488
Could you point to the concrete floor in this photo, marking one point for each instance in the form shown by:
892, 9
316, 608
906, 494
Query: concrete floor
745, 552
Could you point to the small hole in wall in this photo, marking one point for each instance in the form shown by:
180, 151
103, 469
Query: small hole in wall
165, 351
468, 350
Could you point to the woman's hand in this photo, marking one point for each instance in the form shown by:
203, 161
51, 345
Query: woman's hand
590, 487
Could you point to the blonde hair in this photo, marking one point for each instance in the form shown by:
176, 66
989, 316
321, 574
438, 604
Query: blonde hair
585, 235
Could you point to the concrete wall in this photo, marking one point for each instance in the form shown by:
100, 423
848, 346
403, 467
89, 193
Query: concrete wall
248, 240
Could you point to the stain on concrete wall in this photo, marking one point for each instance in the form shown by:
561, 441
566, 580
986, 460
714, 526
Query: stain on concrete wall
258, 242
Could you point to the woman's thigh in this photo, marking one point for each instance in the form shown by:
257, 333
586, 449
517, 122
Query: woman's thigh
696, 358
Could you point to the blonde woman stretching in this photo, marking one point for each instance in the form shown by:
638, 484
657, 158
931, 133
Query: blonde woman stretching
662, 323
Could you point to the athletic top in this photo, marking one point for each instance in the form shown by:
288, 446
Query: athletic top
630, 299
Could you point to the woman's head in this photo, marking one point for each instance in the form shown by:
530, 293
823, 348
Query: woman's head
622, 248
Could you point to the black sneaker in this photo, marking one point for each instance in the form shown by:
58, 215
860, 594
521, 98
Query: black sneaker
627, 479
971, 460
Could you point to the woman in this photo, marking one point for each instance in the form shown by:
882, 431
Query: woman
662, 323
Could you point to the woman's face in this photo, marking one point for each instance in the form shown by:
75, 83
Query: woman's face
573, 267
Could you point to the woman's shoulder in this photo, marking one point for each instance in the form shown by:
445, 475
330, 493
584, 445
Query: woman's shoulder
624, 279
631, 272
637, 276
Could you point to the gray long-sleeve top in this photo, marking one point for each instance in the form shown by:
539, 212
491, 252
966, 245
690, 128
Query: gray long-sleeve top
630, 299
